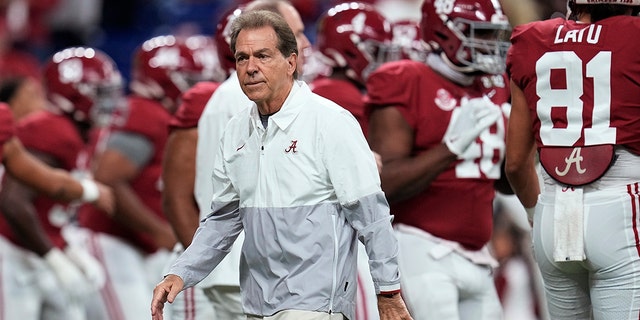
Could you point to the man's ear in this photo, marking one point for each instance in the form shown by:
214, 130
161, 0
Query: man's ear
293, 63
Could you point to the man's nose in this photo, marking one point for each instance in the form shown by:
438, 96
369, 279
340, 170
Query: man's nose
252, 65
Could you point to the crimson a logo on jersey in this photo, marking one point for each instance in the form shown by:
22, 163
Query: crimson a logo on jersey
444, 100
576, 166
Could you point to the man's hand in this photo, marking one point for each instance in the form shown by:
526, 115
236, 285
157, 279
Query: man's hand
473, 117
393, 308
165, 291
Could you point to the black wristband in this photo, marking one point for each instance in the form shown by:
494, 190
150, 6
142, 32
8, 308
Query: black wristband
389, 294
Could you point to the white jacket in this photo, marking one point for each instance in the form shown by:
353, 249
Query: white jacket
303, 190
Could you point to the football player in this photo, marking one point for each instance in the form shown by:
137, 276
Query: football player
185, 196
440, 131
83, 85
134, 243
24, 95
353, 39
407, 36
178, 176
574, 84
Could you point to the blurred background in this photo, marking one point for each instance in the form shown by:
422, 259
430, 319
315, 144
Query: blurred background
31, 30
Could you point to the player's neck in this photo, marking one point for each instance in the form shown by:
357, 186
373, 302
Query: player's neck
584, 17
437, 63
341, 74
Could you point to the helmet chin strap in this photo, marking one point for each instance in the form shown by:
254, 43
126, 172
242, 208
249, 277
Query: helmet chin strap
441, 64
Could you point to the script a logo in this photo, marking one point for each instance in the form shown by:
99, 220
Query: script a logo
574, 158
292, 147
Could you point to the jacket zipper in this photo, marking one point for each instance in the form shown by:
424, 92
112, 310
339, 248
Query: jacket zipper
335, 263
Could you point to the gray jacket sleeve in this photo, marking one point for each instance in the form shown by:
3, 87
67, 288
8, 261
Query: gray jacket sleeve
211, 243
354, 175
216, 233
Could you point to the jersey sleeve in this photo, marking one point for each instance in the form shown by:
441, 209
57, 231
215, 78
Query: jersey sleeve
51, 134
193, 102
519, 56
514, 53
7, 129
393, 84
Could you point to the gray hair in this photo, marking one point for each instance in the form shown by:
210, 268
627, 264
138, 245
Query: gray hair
274, 6
262, 18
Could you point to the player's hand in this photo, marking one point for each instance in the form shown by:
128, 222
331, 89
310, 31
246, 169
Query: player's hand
90, 267
106, 200
165, 291
69, 275
474, 116
393, 308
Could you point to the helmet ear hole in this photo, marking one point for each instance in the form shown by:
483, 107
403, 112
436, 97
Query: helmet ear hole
442, 37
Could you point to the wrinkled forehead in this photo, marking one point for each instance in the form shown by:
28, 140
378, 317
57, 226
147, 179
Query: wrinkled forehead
253, 39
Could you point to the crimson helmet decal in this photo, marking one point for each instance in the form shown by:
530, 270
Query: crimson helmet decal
355, 36
205, 53
223, 39
84, 83
407, 36
166, 66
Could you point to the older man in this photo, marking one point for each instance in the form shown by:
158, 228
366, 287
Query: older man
296, 173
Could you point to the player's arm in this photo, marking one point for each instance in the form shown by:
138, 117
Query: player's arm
520, 152
55, 183
116, 167
77, 272
178, 175
403, 174
16, 204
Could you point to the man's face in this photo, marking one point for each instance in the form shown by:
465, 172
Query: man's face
264, 73
294, 21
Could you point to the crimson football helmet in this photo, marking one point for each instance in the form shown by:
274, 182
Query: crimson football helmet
164, 67
84, 83
223, 40
205, 52
407, 36
353, 35
472, 34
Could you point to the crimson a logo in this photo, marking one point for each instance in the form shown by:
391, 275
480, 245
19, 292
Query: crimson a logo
292, 147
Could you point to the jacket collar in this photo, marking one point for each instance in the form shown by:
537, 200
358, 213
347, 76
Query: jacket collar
290, 109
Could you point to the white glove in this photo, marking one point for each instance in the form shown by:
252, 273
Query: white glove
92, 269
474, 116
70, 276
